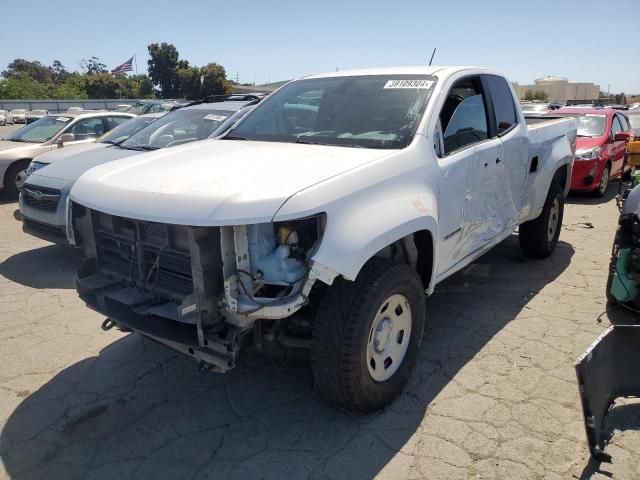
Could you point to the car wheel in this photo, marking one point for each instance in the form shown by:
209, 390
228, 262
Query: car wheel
366, 336
604, 182
538, 238
15, 177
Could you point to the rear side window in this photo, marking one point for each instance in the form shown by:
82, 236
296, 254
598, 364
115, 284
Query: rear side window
615, 126
503, 104
623, 123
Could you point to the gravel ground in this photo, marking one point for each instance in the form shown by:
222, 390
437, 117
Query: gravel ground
493, 395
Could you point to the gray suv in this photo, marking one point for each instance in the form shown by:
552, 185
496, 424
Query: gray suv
43, 201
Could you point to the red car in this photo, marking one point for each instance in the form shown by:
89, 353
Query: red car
603, 134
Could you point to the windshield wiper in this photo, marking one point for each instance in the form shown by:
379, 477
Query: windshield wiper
140, 148
232, 137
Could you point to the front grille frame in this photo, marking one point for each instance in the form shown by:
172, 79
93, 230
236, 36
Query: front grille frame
41, 198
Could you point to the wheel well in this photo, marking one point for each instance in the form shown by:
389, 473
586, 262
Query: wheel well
6, 172
416, 250
561, 177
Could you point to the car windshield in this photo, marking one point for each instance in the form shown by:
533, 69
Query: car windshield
380, 111
41, 130
589, 124
634, 120
177, 127
126, 129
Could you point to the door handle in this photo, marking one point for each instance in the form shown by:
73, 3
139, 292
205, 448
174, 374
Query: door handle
498, 161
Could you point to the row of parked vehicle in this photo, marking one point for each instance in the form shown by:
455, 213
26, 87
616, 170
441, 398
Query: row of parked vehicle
316, 222
312, 220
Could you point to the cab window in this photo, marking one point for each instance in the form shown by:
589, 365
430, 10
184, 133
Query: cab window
463, 117
615, 126
87, 128
503, 105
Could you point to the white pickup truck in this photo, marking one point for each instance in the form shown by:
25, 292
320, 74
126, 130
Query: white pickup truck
321, 220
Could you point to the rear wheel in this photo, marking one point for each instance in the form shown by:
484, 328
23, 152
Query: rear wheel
539, 237
14, 178
367, 334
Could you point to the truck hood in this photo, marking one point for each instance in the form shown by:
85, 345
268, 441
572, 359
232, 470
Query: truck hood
78, 162
214, 182
68, 152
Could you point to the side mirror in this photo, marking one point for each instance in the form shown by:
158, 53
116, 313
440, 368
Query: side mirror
622, 137
66, 137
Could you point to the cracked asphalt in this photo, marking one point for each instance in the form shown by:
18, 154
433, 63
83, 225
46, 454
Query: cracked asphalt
493, 394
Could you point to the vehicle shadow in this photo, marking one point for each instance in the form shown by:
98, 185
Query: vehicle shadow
587, 198
5, 199
138, 410
621, 418
53, 266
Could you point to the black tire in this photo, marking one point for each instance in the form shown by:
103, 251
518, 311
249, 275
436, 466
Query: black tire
341, 332
534, 235
10, 178
600, 190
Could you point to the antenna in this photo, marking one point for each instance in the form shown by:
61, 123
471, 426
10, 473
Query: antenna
432, 55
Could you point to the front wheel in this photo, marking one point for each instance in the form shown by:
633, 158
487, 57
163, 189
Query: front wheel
604, 182
14, 178
366, 336
539, 237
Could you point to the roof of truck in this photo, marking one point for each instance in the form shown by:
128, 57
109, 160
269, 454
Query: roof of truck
415, 70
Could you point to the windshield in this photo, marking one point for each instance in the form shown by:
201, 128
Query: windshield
634, 120
589, 125
177, 127
364, 111
40, 131
126, 129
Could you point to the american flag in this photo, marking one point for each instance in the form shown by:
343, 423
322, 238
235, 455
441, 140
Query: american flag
125, 67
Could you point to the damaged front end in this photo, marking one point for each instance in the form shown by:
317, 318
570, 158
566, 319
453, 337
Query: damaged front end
198, 290
606, 371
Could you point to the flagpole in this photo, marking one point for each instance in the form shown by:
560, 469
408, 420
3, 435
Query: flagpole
135, 60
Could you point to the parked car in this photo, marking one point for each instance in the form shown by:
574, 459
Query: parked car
43, 199
18, 115
123, 107
34, 115
3, 117
320, 220
634, 121
603, 134
50, 132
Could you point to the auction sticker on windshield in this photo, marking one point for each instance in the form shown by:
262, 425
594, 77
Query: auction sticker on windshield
214, 117
408, 84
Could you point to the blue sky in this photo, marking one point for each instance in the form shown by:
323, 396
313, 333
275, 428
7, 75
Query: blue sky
580, 40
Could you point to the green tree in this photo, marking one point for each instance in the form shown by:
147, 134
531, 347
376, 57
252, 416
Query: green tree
73, 88
34, 70
190, 80
139, 86
102, 85
22, 86
59, 73
530, 95
162, 67
92, 66
214, 80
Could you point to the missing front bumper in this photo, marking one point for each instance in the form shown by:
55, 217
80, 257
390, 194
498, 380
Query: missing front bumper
606, 371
